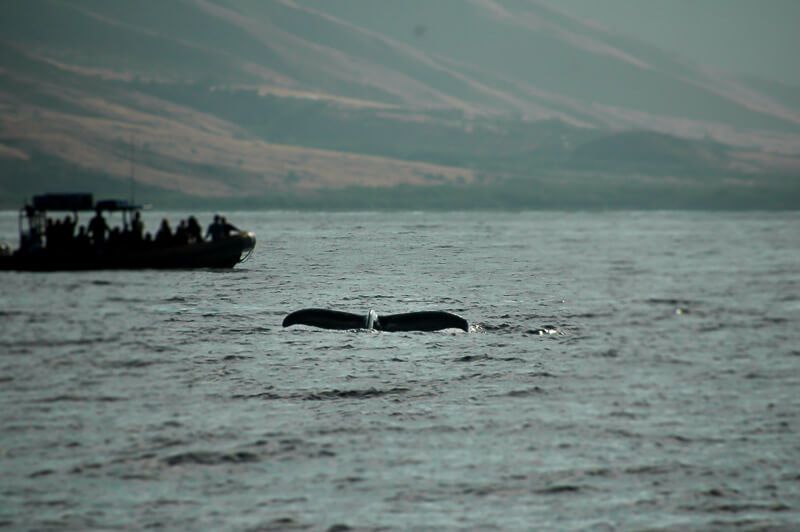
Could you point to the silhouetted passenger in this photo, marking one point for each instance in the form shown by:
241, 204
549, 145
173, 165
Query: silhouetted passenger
125, 235
137, 227
164, 234
82, 241
215, 230
181, 234
193, 230
115, 238
58, 235
227, 227
98, 228
68, 228
49, 234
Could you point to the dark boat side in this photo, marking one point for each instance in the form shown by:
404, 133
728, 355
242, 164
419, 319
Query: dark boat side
227, 247
221, 254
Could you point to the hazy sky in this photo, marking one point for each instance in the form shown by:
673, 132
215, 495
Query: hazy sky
758, 37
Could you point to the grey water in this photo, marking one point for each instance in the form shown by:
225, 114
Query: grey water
623, 370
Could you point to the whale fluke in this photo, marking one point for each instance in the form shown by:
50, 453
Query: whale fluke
324, 318
431, 320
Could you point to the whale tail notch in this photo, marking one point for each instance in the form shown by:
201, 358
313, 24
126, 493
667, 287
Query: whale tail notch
431, 320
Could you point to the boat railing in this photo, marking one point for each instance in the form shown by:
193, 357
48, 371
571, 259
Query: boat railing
46, 239
250, 237
31, 234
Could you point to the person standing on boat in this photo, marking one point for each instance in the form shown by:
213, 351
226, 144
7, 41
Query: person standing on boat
137, 227
215, 230
164, 234
68, 228
98, 228
181, 237
82, 242
193, 230
50, 233
227, 227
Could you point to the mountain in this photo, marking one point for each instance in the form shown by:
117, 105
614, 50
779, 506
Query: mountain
303, 102
743, 37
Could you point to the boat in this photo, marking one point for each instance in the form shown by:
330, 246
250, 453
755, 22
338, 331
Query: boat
124, 252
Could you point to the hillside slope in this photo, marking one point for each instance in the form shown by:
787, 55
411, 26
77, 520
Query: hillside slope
235, 98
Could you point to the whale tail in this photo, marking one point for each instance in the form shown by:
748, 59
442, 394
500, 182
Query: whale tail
324, 318
432, 320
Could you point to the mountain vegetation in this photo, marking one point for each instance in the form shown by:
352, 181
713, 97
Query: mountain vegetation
361, 104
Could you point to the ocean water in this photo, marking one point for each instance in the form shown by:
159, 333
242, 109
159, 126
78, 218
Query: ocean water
624, 370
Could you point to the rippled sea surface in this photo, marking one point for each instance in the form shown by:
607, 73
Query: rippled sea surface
623, 371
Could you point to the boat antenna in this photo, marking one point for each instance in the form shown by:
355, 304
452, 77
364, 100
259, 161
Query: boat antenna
133, 170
